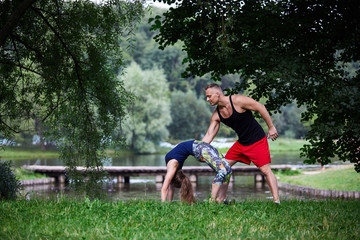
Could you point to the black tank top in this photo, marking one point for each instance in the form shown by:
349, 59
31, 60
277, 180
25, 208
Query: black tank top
244, 124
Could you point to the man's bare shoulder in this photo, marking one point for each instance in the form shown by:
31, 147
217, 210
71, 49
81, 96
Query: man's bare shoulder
215, 116
240, 99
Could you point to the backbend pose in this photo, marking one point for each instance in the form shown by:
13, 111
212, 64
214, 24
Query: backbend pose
252, 146
175, 177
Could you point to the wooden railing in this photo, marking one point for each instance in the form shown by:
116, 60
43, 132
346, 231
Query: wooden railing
123, 173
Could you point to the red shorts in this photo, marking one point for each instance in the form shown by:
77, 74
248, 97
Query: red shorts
258, 153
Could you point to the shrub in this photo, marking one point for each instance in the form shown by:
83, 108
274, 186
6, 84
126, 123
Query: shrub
9, 185
288, 172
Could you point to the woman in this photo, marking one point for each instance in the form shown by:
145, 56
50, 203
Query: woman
175, 159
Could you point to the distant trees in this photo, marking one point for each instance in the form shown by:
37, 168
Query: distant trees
149, 113
190, 116
288, 122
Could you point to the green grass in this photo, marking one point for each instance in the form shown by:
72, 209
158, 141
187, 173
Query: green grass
69, 219
280, 145
18, 153
343, 178
286, 145
23, 174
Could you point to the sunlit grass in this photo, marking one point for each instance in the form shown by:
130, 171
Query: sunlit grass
286, 145
280, 145
66, 219
18, 153
23, 174
342, 178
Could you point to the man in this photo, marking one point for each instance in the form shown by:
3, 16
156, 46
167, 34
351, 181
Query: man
252, 146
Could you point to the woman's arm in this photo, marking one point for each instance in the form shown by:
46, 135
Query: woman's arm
170, 173
171, 192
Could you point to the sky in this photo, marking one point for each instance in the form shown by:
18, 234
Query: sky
149, 2
159, 5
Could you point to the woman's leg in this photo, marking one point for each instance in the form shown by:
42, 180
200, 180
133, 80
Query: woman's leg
223, 189
217, 162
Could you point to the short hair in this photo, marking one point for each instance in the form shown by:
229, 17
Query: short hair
213, 85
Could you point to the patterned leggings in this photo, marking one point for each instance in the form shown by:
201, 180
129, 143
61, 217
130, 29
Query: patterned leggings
206, 153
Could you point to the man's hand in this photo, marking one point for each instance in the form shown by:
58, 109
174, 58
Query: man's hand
273, 134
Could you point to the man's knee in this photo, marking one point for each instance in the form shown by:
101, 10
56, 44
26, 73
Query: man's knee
231, 162
266, 169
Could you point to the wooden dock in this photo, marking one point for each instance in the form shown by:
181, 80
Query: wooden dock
123, 173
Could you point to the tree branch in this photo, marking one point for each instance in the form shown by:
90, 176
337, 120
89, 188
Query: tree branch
53, 109
4, 123
76, 62
26, 68
13, 20
37, 52
77, 67
17, 55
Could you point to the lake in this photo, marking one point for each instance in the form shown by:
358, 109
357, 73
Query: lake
243, 188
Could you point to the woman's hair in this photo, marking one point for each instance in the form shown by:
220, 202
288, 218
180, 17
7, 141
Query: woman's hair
181, 181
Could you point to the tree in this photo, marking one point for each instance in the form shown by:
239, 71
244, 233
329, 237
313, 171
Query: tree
191, 116
290, 50
58, 62
288, 122
149, 114
147, 55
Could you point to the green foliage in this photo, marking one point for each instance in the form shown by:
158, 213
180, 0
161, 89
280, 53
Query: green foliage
287, 172
145, 52
9, 184
288, 122
303, 51
58, 62
190, 116
87, 219
23, 174
149, 113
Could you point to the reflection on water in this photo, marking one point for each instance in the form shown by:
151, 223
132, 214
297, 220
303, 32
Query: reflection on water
244, 188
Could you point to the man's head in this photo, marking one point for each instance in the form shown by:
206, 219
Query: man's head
213, 93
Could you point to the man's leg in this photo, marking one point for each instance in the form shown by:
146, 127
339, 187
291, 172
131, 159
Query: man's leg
271, 180
224, 187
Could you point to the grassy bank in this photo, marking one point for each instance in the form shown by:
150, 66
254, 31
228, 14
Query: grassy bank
23, 174
286, 145
18, 153
280, 145
343, 178
155, 220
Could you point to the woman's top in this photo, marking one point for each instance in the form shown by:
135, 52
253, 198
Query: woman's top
180, 152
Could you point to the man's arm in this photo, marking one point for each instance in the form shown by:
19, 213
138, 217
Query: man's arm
213, 128
251, 104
